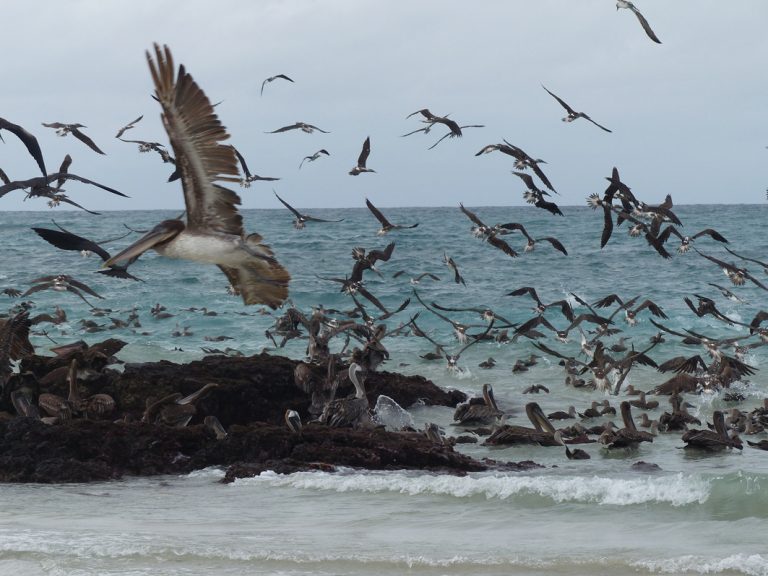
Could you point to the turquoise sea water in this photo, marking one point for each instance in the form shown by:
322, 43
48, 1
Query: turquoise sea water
701, 514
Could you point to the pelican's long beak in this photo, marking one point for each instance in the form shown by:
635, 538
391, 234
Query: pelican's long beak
159, 234
542, 420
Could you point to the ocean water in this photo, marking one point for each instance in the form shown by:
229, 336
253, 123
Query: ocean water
700, 514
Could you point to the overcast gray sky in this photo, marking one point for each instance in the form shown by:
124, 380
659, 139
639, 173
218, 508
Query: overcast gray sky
688, 116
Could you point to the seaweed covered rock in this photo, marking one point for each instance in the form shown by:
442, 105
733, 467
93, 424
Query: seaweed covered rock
248, 395
87, 450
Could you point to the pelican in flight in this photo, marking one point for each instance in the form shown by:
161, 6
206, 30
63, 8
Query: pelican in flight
214, 231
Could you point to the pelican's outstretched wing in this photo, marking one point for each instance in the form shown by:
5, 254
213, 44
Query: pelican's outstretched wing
196, 135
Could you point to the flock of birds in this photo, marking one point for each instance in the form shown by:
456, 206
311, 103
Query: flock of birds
211, 231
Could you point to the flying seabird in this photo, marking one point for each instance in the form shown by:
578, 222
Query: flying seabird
563, 305
418, 278
707, 306
246, 182
431, 119
74, 129
27, 139
386, 225
488, 233
272, 79
535, 196
128, 126
640, 17
572, 114
361, 160
457, 277
727, 293
301, 219
214, 231
686, 241
556, 244
41, 186
66, 240
738, 276
61, 283
314, 156
522, 159
753, 260
304, 127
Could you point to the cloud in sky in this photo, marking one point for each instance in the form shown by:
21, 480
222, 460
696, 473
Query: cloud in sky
688, 116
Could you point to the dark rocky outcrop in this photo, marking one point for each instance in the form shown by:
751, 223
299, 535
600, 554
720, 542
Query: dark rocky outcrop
250, 401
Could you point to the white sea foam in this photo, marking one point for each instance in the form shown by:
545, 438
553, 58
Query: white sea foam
677, 490
752, 564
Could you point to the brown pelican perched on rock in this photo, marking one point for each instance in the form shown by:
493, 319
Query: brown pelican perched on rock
214, 231
640, 17
353, 411
74, 129
175, 410
293, 421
